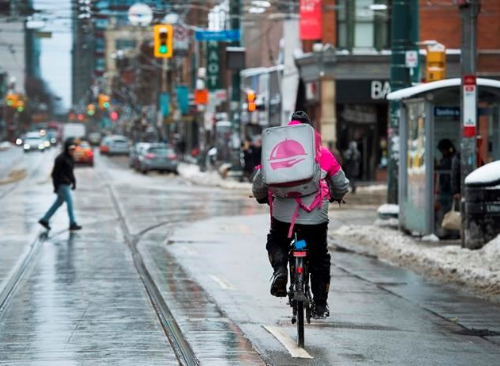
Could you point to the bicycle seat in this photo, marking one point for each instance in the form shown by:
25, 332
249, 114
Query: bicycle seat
300, 244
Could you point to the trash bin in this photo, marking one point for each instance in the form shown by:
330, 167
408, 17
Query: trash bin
482, 205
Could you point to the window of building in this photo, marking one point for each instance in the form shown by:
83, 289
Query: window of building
123, 44
363, 24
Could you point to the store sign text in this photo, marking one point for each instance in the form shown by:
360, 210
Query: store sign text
380, 89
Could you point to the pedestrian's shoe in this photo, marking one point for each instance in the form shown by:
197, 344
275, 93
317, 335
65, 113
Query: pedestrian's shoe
279, 280
44, 223
74, 227
321, 311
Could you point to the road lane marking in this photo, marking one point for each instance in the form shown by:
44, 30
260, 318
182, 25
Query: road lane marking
291, 346
222, 282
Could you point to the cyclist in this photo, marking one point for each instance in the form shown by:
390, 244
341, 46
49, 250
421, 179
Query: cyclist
311, 226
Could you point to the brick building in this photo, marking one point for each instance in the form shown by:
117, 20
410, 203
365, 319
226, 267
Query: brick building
345, 91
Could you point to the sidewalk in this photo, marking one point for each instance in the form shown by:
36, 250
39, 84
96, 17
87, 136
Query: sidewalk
478, 271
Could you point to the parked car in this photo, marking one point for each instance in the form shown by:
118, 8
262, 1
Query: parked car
159, 157
133, 157
104, 147
118, 145
84, 154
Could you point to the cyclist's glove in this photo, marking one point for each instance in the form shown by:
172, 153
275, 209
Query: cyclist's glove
339, 200
263, 201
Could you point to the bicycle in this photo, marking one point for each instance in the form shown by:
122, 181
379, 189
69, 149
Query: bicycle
299, 293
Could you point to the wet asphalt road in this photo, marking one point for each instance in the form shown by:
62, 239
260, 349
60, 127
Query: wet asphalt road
81, 300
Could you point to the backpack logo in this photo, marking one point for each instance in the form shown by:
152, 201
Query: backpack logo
286, 154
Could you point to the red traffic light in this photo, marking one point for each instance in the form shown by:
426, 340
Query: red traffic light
114, 116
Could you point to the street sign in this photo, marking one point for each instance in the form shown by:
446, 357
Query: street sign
181, 39
201, 96
213, 65
411, 59
140, 14
225, 35
469, 105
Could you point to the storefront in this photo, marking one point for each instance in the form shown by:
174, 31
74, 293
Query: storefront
362, 111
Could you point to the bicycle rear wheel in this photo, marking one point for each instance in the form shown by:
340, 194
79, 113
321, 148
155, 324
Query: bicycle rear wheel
300, 324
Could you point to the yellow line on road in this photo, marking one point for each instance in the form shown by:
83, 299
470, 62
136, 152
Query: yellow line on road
291, 346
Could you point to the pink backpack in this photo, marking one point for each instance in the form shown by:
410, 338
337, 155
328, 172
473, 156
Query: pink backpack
291, 165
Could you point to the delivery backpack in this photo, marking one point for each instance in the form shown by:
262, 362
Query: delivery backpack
290, 165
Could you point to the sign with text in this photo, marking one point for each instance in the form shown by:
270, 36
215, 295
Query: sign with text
213, 65
310, 20
362, 91
469, 105
220, 36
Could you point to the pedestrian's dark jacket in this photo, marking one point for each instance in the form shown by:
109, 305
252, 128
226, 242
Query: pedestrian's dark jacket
456, 178
63, 169
352, 161
445, 181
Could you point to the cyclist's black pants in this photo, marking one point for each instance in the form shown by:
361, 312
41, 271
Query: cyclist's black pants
278, 246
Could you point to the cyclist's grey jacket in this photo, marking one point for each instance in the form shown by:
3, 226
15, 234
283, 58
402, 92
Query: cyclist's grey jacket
334, 183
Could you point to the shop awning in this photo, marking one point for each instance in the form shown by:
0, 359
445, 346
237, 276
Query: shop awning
441, 84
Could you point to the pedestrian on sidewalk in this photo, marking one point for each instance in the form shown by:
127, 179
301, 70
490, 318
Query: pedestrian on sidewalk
352, 161
63, 180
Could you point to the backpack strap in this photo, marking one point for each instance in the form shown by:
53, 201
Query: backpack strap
316, 203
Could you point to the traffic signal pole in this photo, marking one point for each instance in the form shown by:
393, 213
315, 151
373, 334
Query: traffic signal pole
405, 35
469, 10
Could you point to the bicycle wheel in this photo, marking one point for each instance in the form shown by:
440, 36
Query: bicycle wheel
300, 324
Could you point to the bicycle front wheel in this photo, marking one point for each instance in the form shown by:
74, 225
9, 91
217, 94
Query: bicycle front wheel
300, 324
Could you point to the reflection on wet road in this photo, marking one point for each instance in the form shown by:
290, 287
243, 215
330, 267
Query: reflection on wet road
83, 302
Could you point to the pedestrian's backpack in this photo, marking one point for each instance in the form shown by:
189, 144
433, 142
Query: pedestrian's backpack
290, 167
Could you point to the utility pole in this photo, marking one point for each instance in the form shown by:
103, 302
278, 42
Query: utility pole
405, 35
469, 11
235, 12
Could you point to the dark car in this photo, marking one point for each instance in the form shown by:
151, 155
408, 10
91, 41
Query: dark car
158, 157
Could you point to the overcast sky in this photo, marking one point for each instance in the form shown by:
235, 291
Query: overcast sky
56, 51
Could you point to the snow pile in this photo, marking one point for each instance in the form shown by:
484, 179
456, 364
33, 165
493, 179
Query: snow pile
487, 174
388, 209
478, 269
372, 188
193, 174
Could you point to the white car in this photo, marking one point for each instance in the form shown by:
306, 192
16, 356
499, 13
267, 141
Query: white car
117, 145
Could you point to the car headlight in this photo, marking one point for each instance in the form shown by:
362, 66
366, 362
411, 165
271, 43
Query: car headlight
47, 144
19, 142
41, 147
26, 146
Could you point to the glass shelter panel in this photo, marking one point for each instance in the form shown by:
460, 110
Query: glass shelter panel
416, 216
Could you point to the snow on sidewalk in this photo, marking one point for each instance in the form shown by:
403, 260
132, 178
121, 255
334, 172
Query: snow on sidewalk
477, 269
192, 173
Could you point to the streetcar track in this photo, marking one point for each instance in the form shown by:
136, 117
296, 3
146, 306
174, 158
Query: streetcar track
179, 343
25, 266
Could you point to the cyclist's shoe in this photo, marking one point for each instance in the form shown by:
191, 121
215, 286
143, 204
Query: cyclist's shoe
279, 280
321, 311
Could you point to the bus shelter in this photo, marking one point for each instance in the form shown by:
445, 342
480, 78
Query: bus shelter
431, 116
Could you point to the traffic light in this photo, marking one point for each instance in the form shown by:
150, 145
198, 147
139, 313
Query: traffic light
435, 67
91, 109
20, 106
251, 97
114, 116
103, 100
163, 40
12, 100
